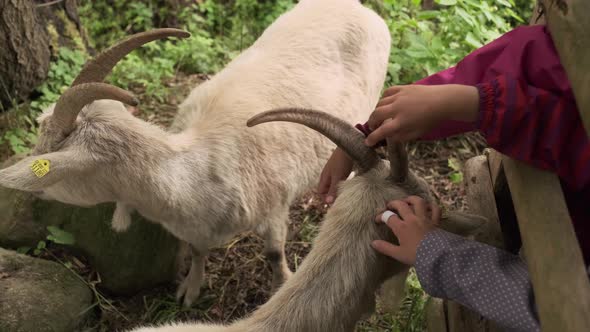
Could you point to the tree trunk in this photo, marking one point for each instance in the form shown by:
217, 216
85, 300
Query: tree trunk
30, 34
24, 59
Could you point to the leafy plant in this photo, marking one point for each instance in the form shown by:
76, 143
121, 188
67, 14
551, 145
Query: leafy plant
427, 41
19, 139
410, 316
59, 236
148, 66
62, 72
56, 235
456, 176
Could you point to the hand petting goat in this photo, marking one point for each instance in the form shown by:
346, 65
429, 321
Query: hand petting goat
412, 220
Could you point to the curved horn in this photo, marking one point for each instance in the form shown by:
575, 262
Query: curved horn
71, 102
398, 161
97, 69
338, 131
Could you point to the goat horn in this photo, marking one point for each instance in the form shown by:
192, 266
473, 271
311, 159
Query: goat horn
398, 161
338, 131
98, 68
71, 102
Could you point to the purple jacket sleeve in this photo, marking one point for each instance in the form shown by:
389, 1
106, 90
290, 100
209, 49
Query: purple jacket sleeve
489, 281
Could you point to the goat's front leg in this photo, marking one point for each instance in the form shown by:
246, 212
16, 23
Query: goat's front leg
190, 288
274, 243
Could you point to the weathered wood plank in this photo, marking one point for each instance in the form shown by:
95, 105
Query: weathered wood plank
561, 286
481, 201
495, 166
435, 315
569, 23
504, 205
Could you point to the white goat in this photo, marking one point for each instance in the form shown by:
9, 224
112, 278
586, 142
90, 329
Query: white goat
210, 178
336, 283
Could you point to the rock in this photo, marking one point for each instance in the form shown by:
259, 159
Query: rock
17, 227
140, 258
38, 295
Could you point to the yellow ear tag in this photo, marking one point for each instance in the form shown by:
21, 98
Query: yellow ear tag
40, 167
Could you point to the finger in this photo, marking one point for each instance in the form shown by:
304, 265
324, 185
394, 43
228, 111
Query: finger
393, 222
332, 191
385, 101
379, 212
387, 249
436, 213
402, 208
324, 184
392, 90
388, 129
379, 115
405, 135
419, 205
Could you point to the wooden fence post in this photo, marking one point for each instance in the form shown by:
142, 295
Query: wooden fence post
569, 23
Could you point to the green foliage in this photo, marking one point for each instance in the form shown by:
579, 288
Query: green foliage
146, 68
62, 72
410, 317
456, 176
59, 236
219, 31
239, 23
42, 245
424, 41
427, 41
19, 139
309, 227
56, 235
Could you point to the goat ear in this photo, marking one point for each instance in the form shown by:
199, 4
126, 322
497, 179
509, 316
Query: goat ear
41, 171
461, 223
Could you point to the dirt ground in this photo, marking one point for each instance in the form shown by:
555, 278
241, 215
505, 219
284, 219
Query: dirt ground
237, 275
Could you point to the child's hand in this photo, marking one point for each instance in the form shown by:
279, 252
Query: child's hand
337, 169
418, 218
412, 110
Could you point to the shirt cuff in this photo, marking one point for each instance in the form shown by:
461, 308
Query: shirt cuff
364, 128
486, 105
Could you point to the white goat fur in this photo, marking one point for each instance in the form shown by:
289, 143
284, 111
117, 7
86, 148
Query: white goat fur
336, 283
210, 177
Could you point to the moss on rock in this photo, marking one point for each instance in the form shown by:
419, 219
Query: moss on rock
138, 259
40, 296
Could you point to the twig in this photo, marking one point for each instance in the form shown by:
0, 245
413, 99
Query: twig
100, 298
47, 4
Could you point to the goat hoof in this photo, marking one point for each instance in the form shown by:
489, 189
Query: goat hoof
187, 294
